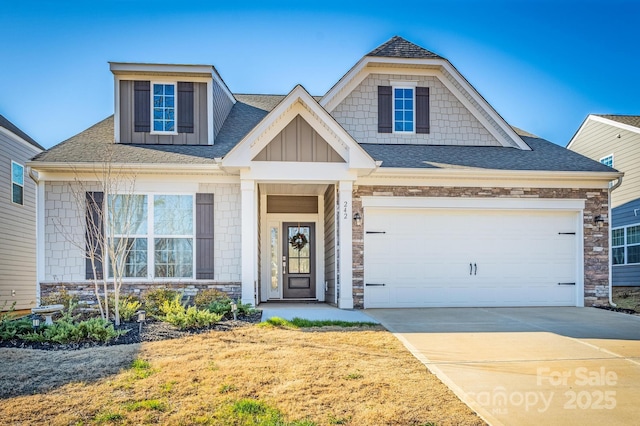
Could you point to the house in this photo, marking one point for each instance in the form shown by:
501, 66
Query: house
17, 218
400, 187
614, 140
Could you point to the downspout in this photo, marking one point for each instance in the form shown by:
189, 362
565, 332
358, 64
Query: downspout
39, 266
611, 251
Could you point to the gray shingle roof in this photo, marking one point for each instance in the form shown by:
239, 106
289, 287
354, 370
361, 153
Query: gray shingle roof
631, 120
397, 47
14, 129
544, 156
96, 144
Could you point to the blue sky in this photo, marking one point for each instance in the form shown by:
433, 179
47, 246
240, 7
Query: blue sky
544, 65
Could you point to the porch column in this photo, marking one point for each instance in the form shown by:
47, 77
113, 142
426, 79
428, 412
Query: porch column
248, 222
345, 214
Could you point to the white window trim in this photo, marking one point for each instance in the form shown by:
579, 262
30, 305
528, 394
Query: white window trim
150, 236
403, 85
16, 183
607, 156
175, 108
624, 245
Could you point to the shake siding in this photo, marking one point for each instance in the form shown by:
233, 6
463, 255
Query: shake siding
598, 140
17, 229
221, 107
330, 244
450, 123
128, 135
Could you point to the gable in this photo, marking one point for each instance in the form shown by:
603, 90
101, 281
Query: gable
298, 141
450, 121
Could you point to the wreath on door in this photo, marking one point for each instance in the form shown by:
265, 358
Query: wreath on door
298, 241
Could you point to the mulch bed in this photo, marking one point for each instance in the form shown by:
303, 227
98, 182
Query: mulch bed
616, 309
152, 331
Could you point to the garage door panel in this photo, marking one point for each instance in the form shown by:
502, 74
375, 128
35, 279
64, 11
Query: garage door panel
517, 258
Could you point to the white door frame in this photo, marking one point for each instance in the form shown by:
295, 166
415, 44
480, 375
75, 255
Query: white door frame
276, 220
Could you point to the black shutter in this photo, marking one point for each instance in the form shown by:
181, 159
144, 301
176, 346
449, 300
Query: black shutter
142, 106
385, 109
94, 233
204, 236
185, 107
422, 110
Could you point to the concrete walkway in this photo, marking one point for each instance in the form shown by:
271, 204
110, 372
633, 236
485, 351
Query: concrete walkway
530, 366
312, 311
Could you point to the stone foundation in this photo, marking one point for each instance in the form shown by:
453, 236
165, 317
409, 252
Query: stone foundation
596, 241
84, 291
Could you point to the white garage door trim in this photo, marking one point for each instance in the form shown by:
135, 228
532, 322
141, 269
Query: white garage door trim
508, 204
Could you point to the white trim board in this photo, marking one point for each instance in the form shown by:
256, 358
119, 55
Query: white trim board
473, 203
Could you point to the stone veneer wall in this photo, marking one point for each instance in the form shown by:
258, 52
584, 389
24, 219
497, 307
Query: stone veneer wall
84, 291
596, 241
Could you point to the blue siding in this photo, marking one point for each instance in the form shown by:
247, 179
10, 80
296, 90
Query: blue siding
624, 215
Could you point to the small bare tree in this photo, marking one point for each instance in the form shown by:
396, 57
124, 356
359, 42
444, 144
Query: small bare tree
112, 212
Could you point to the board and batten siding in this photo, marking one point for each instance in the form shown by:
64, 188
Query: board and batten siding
598, 140
330, 245
17, 228
299, 142
128, 135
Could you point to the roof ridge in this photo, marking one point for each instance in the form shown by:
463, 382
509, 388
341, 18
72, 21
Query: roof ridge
398, 47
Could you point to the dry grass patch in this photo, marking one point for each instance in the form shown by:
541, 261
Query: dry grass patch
252, 375
627, 298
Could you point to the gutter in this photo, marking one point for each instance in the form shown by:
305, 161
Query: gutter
618, 183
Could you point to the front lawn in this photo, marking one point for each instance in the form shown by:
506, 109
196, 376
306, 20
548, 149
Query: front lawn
243, 376
627, 298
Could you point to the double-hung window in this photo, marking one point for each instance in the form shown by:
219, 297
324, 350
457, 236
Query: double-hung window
153, 235
403, 109
625, 245
17, 183
164, 108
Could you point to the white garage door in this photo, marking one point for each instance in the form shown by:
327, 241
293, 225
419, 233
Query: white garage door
434, 257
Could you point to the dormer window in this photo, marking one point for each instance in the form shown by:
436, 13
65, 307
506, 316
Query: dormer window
403, 109
164, 108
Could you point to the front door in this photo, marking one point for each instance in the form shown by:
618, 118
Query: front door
298, 260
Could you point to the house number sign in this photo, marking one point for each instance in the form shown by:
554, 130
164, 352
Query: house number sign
346, 208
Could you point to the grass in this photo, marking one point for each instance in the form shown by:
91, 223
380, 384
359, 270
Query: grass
627, 298
259, 376
305, 323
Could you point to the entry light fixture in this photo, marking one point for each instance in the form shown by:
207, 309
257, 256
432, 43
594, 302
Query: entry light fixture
599, 220
357, 218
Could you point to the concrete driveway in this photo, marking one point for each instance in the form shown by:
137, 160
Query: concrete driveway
529, 366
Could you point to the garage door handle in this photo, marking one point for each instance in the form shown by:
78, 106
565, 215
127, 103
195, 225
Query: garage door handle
475, 266
375, 284
566, 283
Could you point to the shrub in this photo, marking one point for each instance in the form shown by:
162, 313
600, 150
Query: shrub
205, 298
128, 306
65, 331
187, 318
60, 297
11, 328
223, 307
154, 299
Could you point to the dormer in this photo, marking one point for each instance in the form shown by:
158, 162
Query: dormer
168, 104
403, 94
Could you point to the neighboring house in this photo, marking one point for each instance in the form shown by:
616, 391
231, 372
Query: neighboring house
17, 218
400, 187
614, 140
